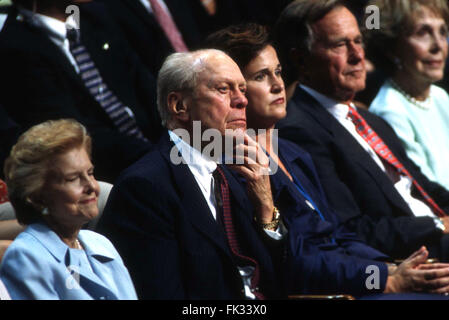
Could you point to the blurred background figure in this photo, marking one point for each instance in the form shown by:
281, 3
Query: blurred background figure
53, 68
411, 47
53, 191
154, 34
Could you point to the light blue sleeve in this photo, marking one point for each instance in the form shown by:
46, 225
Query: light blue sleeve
407, 133
26, 274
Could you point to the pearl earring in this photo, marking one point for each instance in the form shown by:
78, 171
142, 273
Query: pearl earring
45, 211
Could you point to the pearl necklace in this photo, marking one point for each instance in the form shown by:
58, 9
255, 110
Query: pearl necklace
78, 244
425, 105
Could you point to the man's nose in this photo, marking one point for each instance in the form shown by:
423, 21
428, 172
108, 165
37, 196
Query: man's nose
356, 52
239, 100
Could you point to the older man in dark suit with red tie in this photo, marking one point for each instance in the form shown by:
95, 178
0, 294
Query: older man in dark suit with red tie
182, 223
377, 191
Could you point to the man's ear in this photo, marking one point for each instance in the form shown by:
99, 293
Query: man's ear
178, 107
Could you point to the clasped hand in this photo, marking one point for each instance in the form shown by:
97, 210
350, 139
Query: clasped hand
413, 275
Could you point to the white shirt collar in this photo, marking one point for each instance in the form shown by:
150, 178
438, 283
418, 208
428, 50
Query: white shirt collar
338, 110
200, 166
56, 29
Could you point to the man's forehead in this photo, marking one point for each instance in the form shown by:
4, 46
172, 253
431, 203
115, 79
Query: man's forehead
338, 23
226, 71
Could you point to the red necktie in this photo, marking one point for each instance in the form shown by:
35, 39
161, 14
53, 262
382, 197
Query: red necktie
168, 25
225, 206
376, 143
3, 192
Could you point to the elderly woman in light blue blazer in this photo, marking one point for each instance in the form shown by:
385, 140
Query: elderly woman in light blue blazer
53, 191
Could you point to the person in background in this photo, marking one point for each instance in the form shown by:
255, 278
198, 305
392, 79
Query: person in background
376, 190
156, 28
68, 65
411, 47
52, 188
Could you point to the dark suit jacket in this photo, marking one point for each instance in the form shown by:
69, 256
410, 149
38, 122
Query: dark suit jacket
39, 83
144, 33
363, 196
323, 257
229, 12
9, 132
160, 223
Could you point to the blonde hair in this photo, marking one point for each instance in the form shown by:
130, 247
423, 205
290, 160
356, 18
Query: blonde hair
27, 167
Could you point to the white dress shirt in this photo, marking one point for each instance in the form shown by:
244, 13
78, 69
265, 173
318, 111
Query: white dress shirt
403, 184
202, 169
56, 30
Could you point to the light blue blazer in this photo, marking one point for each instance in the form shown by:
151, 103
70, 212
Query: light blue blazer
38, 265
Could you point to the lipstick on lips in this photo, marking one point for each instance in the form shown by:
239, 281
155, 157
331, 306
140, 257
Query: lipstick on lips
278, 101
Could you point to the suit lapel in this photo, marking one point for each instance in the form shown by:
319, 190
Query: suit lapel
38, 39
137, 7
346, 142
192, 200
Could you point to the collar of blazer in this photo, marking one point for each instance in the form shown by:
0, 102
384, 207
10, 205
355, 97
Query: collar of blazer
345, 141
195, 205
20, 35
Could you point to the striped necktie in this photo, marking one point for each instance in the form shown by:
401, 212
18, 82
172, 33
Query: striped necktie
122, 116
168, 26
382, 150
224, 204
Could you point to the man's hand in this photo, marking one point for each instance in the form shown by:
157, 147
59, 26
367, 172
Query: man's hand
413, 275
255, 169
445, 221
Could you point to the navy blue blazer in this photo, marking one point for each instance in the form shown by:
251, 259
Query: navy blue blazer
323, 256
39, 83
362, 195
159, 221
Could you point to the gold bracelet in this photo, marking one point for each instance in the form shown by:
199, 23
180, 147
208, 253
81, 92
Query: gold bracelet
273, 225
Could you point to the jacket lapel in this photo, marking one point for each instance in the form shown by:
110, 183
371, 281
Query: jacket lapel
33, 37
142, 12
192, 200
347, 142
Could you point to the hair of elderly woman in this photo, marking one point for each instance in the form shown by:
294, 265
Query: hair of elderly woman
29, 163
396, 21
293, 30
241, 42
179, 72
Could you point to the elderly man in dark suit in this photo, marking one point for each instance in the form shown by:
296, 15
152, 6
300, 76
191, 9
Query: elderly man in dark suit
185, 229
369, 181
78, 66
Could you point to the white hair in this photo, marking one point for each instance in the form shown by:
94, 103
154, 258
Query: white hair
180, 73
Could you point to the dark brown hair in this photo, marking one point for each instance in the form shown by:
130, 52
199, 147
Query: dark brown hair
241, 42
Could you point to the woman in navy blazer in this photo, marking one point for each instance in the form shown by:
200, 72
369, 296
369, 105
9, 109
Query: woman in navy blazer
322, 256
53, 191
